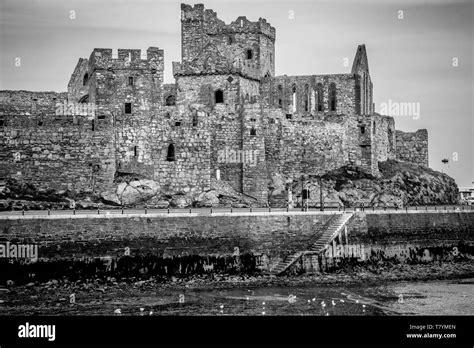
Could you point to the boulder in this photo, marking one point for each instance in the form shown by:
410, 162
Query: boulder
207, 199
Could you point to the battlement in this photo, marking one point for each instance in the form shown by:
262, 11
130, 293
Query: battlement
213, 25
243, 25
103, 58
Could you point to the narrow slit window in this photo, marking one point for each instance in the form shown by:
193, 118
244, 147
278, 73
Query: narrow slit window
130, 80
249, 54
170, 157
253, 132
332, 97
128, 108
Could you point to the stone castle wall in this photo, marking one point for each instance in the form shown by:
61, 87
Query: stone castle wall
412, 146
53, 150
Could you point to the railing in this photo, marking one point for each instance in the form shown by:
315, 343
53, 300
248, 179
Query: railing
100, 210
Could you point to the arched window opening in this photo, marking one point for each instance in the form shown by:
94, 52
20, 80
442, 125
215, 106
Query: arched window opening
332, 97
253, 132
280, 96
85, 78
230, 40
135, 151
294, 98
170, 100
219, 96
84, 99
170, 155
249, 54
195, 120
319, 91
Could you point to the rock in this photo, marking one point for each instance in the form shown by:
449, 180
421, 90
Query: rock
207, 199
110, 198
181, 201
137, 191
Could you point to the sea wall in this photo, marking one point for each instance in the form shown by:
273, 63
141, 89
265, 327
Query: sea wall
188, 244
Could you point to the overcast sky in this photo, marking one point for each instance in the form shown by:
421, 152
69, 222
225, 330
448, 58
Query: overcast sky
411, 53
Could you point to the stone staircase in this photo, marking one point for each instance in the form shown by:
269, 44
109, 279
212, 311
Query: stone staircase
331, 232
334, 228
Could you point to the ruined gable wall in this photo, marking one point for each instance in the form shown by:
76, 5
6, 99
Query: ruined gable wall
76, 88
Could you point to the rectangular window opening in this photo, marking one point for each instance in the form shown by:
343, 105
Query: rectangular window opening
128, 108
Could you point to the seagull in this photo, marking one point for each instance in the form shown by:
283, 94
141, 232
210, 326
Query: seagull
263, 303
247, 298
221, 306
323, 304
341, 300
333, 303
363, 306
263, 313
400, 299
314, 299
292, 298
118, 311
151, 312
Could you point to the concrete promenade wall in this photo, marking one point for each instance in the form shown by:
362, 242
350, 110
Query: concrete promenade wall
185, 244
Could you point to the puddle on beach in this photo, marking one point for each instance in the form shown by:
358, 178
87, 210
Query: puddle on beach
453, 297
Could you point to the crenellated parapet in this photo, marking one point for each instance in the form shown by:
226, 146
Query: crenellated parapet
103, 58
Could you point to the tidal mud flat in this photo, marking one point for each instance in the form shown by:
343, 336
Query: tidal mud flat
217, 294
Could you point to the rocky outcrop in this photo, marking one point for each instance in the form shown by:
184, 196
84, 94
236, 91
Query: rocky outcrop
399, 185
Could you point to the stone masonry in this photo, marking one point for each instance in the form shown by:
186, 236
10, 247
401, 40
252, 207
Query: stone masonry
226, 117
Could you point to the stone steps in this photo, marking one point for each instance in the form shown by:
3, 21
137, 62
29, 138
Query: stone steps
319, 246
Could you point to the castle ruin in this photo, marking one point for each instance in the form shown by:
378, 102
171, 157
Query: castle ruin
226, 117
